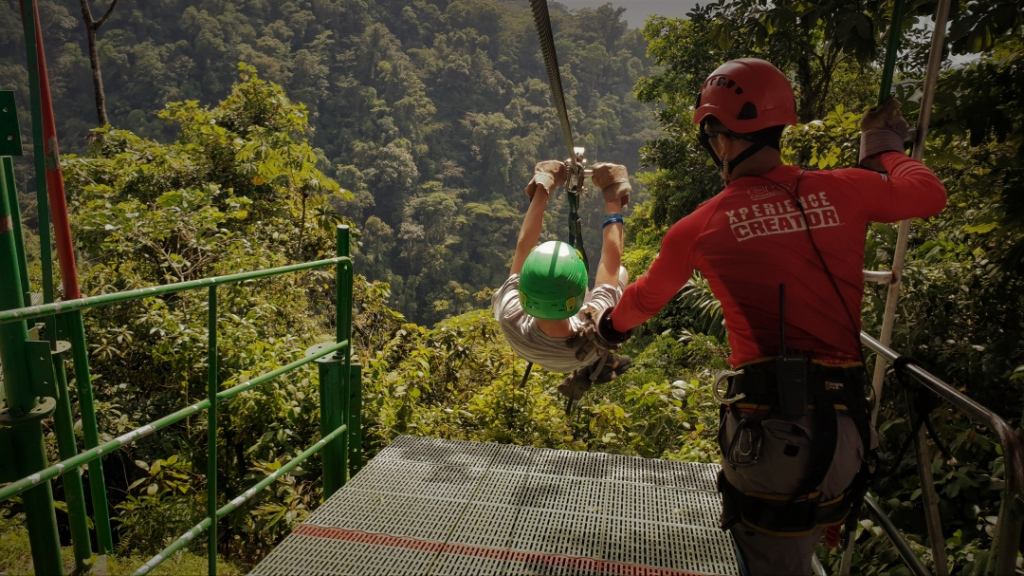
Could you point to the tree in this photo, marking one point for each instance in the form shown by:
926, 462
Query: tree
227, 195
92, 27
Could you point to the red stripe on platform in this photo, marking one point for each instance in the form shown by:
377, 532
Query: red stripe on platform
433, 546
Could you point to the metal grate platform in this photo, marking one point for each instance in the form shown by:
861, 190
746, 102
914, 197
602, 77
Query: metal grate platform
437, 507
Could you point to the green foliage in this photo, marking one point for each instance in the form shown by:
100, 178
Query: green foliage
16, 556
238, 189
167, 491
460, 380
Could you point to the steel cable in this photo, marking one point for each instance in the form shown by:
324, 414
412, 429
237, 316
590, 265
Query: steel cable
547, 45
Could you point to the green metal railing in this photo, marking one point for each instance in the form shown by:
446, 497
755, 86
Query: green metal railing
339, 389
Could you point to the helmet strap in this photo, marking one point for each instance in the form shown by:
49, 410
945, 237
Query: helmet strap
705, 143
754, 148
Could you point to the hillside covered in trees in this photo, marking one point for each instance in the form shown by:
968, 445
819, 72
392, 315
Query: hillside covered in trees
432, 114
241, 132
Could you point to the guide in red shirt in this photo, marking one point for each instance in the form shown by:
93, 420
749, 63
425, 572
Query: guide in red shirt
782, 249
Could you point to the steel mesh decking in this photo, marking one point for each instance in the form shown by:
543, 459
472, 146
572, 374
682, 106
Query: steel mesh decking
437, 507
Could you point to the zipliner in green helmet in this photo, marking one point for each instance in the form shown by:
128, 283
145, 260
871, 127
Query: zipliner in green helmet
553, 282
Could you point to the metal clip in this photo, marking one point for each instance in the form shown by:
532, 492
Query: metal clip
577, 168
716, 390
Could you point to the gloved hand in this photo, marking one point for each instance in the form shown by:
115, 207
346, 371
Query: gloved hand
882, 129
547, 176
589, 338
606, 334
613, 180
577, 384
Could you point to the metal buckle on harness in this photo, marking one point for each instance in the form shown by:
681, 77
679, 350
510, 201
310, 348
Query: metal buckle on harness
716, 390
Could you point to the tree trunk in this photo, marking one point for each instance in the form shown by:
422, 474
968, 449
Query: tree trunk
91, 28
97, 79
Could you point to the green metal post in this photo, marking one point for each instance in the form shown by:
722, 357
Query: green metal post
892, 48
344, 311
90, 431
355, 425
38, 153
211, 435
343, 296
24, 412
74, 493
334, 377
19, 238
331, 417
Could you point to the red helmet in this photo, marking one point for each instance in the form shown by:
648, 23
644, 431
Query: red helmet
747, 95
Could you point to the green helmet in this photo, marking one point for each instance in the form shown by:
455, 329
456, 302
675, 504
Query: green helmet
553, 283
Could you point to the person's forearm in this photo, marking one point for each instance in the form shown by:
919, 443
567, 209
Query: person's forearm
529, 232
611, 248
919, 189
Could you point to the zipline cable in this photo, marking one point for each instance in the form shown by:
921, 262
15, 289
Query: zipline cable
574, 183
542, 19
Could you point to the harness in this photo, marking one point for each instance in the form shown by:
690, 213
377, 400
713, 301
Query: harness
817, 389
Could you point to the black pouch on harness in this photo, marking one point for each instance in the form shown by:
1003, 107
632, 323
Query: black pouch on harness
791, 382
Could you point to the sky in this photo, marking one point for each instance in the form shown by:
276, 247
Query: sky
637, 11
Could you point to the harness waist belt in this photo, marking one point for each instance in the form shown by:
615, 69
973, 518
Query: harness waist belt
759, 383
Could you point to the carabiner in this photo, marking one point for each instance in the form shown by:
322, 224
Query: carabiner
577, 169
715, 388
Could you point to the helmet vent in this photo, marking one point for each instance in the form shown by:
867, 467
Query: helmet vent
730, 84
748, 112
739, 91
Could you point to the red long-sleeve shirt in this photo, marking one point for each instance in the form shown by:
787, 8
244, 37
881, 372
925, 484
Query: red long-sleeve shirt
751, 238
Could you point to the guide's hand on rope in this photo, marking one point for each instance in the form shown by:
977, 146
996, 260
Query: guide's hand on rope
547, 177
882, 129
613, 180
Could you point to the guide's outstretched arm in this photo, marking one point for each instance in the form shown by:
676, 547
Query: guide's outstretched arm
547, 176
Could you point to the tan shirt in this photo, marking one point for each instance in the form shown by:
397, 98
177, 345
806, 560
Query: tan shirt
523, 335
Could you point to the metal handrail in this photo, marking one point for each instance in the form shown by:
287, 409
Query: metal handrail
34, 312
128, 438
1003, 558
908, 556
339, 426
223, 511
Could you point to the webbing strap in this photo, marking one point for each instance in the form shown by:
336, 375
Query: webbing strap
576, 224
823, 447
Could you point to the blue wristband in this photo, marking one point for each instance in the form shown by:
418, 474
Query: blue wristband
612, 216
616, 219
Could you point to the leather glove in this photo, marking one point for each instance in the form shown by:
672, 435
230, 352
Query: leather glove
579, 382
547, 177
589, 338
613, 180
575, 385
882, 129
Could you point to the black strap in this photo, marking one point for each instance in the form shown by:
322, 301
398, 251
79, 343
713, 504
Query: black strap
529, 366
921, 403
754, 148
797, 515
823, 447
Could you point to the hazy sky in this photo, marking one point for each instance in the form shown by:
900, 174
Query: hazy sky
637, 11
